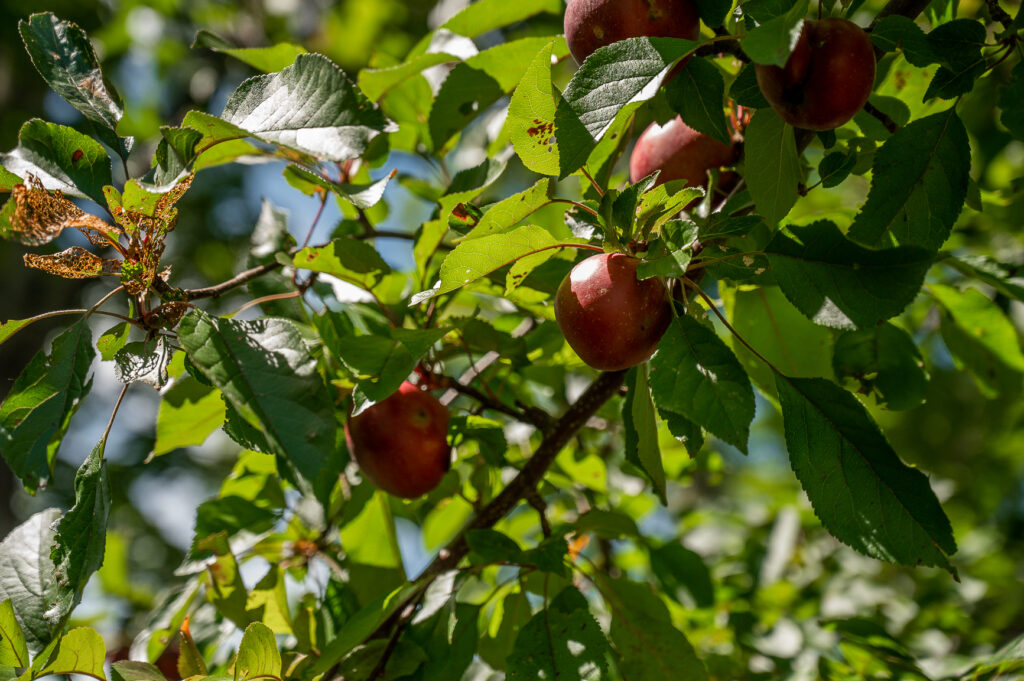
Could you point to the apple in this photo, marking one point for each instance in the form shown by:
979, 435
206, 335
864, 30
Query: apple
401, 443
827, 78
679, 152
612, 320
590, 24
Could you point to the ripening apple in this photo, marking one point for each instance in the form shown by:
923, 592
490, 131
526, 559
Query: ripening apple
827, 78
679, 152
401, 443
612, 320
590, 24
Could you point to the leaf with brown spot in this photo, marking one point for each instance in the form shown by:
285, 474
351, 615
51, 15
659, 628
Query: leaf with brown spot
74, 263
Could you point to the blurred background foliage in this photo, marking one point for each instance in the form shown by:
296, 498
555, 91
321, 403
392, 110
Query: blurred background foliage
764, 591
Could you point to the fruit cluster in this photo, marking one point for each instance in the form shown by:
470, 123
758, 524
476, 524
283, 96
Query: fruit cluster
609, 317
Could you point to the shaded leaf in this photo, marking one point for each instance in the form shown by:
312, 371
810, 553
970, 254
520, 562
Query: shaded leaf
697, 93
864, 495
1002, 277
81, 536
838, 283
773, 41
465, 94
696, 375
772, 165
265, 372
1011, 102
883, 358
563, 641
41, 403
144, 361
28, 576
642, 429
677, 567
919, 183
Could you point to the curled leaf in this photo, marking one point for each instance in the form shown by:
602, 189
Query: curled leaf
39, 217
74, 263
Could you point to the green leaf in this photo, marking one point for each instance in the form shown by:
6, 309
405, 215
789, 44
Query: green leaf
189, 412
745, 91
835, 167
9, 328
957, 44
41, 403
982, 338
490, 546
81, 651
607, 524
562, 642
773, 41
130, 670
919, 183
477, 258
899, 32
505, 214
1011, 102
174, 155
864, 495
62, 158
266, 373
311, 107
697, 93
454, 630
258, 656
222, 142
1000, 276
883, 358
28, 576
531, 117
64, 57
713, 12
465, 94
696, 375
143, 361
112, 340
781, 333
13, 649
81, 536
487, 15
642, 429
351, 260
772, 165
649, 646
266, 59
509, 616
231, 514
612, 77
376, 83
838, 283
671, 255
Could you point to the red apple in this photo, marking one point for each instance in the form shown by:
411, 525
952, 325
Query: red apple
590, 24
401, 443
679, 152
827, 78
612, 320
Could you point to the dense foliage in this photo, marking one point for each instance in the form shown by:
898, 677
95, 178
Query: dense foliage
845, 300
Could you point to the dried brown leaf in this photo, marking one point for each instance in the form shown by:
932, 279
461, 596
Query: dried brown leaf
74, 263
39, 217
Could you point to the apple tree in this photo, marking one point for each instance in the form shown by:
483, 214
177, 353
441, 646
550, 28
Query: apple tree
786, 288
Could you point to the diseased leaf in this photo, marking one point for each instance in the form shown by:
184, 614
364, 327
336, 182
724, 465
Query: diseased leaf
838, 283
919, 184
772, 165
648, 645
144, 361
74, 263
696, 375
562, 641
864, 495
531, 117
28, 576
39, 217
60, 157
41, 403
265, 372
81, 537
311, 107
266, 59
612, 77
